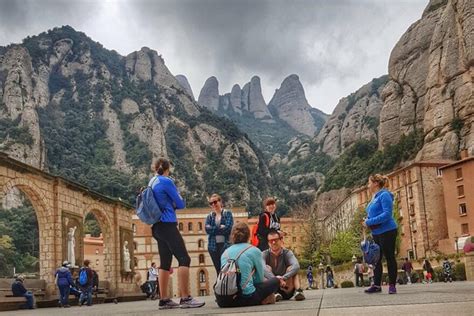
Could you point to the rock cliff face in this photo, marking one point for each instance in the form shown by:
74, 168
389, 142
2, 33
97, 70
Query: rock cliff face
290, 105
355, 117
431, 82
183, 81
209, 96
69, 105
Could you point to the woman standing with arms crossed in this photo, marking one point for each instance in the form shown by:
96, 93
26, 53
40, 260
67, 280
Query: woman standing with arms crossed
170, 242
384, 231
218, 227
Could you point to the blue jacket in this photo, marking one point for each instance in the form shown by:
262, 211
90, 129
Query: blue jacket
380, 213
168, 198
64, 277
212, 230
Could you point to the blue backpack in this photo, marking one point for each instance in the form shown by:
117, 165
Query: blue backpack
147, 209
83, 277
371, 251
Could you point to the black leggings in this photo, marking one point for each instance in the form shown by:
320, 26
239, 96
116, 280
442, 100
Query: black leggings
262, 291
170, 243
386, 241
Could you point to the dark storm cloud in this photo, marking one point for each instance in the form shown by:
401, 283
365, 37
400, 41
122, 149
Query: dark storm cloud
334, 46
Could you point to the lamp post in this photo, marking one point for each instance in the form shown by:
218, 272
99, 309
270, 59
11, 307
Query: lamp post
321, 271
456, 238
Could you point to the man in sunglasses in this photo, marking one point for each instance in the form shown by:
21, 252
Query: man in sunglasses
282, 263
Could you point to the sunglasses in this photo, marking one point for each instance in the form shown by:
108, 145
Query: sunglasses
274, 240
214, 202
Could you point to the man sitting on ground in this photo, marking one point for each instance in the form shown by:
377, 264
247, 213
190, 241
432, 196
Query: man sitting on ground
282, 263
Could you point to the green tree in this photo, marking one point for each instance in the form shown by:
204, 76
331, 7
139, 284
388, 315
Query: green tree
343, 247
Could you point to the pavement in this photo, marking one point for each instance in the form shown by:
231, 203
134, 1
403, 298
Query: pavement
455, 298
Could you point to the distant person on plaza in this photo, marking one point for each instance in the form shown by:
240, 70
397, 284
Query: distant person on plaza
309, 276
329, 277
255, 289
447, 270
267, 220
218, 227
64, 282
408, 268
282, 263
384, 231
86, 287
152, 279
170, 242
370, 274
359, 273
18, 289
428, 271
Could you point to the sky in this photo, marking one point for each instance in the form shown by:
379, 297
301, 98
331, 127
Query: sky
334, 46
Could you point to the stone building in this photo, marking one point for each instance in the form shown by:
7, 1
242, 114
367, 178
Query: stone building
458, 186
94, 251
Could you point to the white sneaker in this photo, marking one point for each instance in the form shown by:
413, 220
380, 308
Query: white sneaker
278, 297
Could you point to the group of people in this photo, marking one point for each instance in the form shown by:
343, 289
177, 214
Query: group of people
325, 271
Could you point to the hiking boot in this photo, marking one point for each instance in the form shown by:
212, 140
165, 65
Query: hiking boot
299, 296
190, 302
278, 297
392, 289
167, 304
373, 289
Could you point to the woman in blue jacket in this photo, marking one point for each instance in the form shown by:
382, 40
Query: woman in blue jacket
64, 281
170, 242
384, 231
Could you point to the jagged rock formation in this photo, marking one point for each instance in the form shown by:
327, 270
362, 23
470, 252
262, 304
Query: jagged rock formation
209, 96
355, 117
431, 82
290, 105
183, 81
70, 105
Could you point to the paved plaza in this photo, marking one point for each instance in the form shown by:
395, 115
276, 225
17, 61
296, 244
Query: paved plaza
420, 299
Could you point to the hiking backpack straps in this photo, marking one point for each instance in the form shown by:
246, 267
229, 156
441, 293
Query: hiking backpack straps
147, 208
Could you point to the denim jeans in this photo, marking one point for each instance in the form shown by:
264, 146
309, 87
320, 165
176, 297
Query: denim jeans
86, 294
30, 300
64, 294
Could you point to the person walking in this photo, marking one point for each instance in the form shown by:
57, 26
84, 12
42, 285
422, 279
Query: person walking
329, 277
218, 227
86, 281
64, 282
428, 271
267, 221
408, 268
170, 242
447, 270
384, 231
152, 279
254, 288
309, 276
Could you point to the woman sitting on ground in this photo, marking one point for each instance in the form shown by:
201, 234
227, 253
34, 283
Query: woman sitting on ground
255, 289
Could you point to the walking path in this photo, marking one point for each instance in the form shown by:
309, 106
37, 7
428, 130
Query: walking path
455, 298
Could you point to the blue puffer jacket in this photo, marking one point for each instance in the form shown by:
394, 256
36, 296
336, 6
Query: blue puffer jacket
380, 213
64, 277
168, 198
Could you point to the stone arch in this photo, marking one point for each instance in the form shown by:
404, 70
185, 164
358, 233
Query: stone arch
106, 226
202, 275
45, 226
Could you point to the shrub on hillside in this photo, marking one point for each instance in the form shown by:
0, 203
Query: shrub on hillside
346, 284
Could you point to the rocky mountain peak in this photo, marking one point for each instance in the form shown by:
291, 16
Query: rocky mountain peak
289, 104
256, 102
183, 81
209, 95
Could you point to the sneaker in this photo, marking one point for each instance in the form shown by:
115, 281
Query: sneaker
190, 302
299, 296
167, 304
392, 289
278, 297
373, 289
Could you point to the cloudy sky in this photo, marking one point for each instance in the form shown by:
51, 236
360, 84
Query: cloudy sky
335, 46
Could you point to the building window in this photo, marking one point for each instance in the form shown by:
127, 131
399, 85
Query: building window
412, 209
202, 276
97, 262
462, 209
97, 251
410, 192
200, 243
135, 262
135, 246
413, 225
190, 227
294, 239
460, 190
201, 259
200, 226
203, 292
458, 173
134, 228
439, 172
409, 176
180, 227
465, 229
